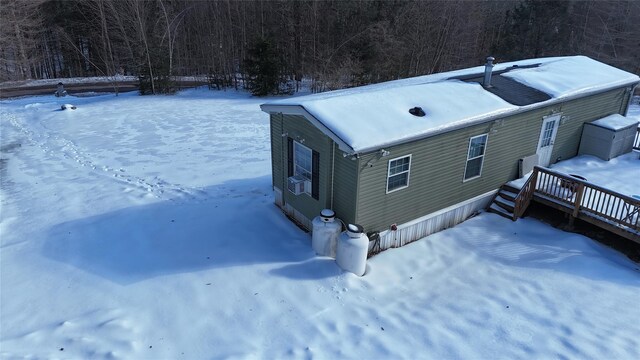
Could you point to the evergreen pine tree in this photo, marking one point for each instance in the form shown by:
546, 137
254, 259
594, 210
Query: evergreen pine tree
535, 29
263, 69
162, 82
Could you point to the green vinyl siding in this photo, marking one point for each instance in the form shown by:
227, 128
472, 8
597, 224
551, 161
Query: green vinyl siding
579, 111
436, 179
296, 127
358, 193
343, 190
299, 129
438, 162
345, 186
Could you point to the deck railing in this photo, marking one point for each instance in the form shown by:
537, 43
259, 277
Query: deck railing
522, 201
636, 141
579, 198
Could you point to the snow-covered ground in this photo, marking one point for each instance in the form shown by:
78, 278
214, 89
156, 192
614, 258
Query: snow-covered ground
144, 228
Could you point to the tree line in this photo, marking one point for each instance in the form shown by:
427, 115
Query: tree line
272, 46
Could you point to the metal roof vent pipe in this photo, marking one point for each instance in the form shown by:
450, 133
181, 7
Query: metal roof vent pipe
488, 67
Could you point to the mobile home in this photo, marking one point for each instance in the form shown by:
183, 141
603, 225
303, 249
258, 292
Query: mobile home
410, 157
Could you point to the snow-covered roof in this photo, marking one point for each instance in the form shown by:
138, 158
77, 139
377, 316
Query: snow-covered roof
616, 122
371, 117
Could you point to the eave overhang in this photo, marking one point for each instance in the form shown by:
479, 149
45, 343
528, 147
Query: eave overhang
300, 110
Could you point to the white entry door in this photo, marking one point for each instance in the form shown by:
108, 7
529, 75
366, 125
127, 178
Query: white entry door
547, 138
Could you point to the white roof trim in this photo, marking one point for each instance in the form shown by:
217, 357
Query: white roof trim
300, 110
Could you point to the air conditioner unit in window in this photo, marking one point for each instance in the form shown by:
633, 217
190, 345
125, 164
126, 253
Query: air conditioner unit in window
298, 184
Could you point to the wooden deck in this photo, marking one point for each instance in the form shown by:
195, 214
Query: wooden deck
605, 208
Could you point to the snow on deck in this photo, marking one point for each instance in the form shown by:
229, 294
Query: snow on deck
619, 174
370, 117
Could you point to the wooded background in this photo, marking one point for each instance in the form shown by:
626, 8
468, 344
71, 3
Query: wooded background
270, 46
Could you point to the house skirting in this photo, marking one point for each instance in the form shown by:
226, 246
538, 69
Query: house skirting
409, 231
294, 214
431, 223
279, 200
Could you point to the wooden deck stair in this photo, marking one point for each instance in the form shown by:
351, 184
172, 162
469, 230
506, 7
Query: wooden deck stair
605, 208
503, 202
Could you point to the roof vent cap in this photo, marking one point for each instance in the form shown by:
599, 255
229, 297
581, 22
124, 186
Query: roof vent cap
417, 111
487, 72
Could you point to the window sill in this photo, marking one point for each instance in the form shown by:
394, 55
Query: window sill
472, 178
397, 189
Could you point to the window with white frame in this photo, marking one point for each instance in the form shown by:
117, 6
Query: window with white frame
398, 173
547, 135
302, 160
475, 156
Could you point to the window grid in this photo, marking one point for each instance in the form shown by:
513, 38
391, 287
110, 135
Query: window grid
475, 156
302, 160
398, 173
548, 132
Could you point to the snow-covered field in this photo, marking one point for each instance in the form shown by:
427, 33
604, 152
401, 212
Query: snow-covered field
144, 228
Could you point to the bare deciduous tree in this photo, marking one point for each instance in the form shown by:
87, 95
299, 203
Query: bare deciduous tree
333, 43
20, 30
